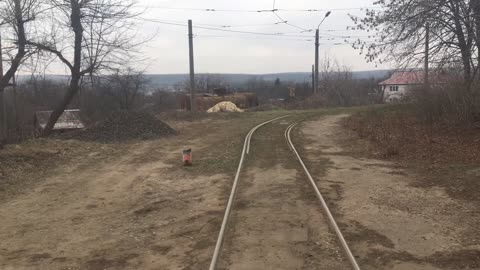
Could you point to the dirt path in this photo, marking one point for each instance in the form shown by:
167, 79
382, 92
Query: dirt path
138, 210
390, 223
277, 222
106, 216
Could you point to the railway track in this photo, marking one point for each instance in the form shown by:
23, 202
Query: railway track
233, 193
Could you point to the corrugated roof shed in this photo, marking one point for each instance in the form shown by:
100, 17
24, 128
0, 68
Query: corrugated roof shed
70, 119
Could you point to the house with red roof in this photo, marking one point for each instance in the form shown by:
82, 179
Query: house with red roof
401, 83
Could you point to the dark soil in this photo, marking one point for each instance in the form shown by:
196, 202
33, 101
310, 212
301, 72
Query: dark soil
124, 126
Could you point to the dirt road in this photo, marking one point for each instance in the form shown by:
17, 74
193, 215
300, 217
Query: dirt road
138, 208
390, 222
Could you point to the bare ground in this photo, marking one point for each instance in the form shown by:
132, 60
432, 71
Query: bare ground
277, 222
391, 218
85, 205
121, 206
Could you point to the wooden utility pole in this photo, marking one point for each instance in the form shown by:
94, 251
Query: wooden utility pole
4, 100
317, 44
427, 52
192, 67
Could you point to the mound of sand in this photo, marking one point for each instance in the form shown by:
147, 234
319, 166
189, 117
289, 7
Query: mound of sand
124, 126
225, 106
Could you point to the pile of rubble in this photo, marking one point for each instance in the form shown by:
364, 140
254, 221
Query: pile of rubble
123, 126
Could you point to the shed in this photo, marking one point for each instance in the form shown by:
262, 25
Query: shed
69, 120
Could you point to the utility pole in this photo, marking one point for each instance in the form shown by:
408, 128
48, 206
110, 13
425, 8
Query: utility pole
313, 78
4, 100
317, 44
192, 69
427, 54
15, 105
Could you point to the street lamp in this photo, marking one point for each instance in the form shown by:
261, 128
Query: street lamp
317, 45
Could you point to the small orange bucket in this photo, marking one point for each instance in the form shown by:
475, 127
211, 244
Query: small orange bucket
187, 157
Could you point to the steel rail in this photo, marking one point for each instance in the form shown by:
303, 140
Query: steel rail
228, 209
333, 223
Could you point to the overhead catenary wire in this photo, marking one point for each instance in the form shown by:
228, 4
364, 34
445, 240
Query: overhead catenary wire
282, 20
225, 30
252, 37
256, 10
251, 25
283, 36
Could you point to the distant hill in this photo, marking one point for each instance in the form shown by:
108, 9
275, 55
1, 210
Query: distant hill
170, 80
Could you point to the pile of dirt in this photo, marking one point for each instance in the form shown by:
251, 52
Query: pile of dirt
225, 106
124, 126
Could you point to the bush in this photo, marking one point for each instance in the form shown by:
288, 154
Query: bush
451, 104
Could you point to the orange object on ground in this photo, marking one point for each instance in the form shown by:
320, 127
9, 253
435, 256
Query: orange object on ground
187, 157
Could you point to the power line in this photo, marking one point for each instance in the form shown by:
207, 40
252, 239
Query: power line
258, 10
218, 25
253, 38
266, 38
286, 22
282, 20
223, 30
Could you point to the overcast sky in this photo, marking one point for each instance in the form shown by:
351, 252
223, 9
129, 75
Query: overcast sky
164, 22
227, 52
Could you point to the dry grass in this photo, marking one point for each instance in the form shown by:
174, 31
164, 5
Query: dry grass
442, 155
398, 131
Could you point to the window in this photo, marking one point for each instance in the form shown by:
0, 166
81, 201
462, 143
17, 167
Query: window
394, 88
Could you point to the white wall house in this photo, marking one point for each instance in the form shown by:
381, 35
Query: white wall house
397, 87
401, 83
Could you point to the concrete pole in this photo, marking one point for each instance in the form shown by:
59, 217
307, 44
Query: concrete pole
427, 54
4, 101
192, 67
317, 44
313, 79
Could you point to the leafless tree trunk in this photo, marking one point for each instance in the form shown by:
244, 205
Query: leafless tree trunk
15, 14
101, 36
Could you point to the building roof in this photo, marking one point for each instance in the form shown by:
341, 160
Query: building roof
413, 78
70, 119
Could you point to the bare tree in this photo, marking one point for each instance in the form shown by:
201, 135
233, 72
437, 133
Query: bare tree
87, 36
124, 86
15, 15
454, 33
205, 83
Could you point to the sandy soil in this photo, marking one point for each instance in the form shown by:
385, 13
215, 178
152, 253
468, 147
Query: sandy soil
277, 222
137, 209
390, 222
133, 206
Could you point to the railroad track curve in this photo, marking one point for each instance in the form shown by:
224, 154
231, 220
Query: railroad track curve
231, 199
325, 207
228, 210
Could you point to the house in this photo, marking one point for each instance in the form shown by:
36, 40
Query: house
398, 86
69, 120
